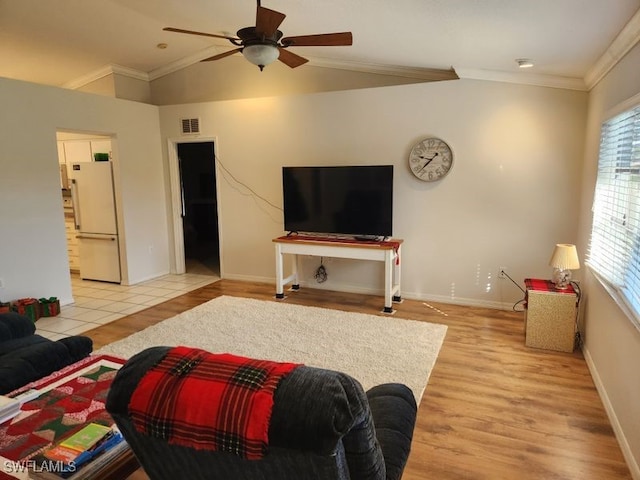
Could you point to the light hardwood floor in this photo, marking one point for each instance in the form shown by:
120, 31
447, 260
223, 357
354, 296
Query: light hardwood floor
493, 408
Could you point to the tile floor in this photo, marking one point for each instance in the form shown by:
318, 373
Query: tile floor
97, 303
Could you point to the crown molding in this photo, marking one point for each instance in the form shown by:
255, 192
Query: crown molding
185, 62
105, 72
88, 78
130, 72
428, 74
431, 74
628, 37
540, 80
625, 41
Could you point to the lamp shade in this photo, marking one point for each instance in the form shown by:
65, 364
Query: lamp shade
261, 55
565, 257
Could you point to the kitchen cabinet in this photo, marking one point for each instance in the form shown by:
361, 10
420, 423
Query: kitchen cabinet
72, 246
77, 151
100, 146
70, 230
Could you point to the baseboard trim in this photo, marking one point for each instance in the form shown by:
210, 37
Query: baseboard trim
66, 301
249, 278
468, 302
147, 278
613, 419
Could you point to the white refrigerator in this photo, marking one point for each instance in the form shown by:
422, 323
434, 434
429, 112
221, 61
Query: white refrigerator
95, 217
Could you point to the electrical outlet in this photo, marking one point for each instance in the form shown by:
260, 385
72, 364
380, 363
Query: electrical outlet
1, 283
502, 272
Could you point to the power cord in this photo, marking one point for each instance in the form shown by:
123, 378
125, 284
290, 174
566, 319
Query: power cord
260, 201
578, 341
321, 273
519, 302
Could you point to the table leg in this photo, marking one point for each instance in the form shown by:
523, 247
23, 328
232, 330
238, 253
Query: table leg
388, 280
398, 296
279, 273
296, 283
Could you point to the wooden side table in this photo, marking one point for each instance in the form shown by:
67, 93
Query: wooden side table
550, 316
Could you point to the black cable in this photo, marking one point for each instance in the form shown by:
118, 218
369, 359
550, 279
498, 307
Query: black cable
578, 339
321, 273
521, 289
513, 281
576, 287
518, 303
252, 192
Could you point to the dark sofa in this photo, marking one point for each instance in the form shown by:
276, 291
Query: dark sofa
323, 427
25, 356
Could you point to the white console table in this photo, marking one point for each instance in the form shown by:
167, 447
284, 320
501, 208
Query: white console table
384, 251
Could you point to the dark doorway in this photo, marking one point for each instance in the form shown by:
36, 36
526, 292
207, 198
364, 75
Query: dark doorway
199, 207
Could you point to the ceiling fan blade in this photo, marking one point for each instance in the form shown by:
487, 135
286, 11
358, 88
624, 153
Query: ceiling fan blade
268, 21
321, 39
191, 32
291, 59
222, 55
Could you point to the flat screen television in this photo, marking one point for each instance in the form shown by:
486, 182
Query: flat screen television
346, 200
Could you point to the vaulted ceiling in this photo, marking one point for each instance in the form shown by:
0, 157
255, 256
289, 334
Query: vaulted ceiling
57, 42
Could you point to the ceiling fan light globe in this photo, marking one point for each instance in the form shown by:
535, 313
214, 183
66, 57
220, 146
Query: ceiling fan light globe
261, 55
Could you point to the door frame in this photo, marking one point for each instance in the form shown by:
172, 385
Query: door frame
177, 260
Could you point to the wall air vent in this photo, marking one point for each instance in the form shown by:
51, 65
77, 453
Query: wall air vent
190, 125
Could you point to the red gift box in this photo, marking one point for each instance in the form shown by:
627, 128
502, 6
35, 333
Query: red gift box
28, 307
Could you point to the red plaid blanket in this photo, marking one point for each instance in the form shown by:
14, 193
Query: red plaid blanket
208, 401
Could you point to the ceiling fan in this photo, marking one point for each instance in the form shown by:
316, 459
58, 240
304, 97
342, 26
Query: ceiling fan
263, 44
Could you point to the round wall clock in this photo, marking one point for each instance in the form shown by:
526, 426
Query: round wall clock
430, 159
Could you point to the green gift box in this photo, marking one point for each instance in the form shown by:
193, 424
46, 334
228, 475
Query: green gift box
49, 307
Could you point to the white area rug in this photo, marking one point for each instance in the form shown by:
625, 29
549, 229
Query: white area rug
373, 349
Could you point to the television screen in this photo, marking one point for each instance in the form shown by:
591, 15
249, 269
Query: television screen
350, 200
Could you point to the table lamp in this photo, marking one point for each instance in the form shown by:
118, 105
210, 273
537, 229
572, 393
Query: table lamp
563, 260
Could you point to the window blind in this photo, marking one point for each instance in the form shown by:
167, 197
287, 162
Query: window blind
614, 248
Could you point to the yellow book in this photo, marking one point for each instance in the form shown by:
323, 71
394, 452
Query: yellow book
82, 441
86, 438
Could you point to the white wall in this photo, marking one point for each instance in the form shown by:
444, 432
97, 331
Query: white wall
612, 343
33, 255
510, 197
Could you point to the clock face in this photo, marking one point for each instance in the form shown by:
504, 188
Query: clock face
431, 159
